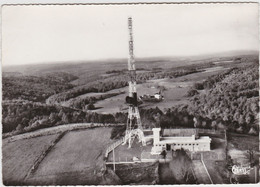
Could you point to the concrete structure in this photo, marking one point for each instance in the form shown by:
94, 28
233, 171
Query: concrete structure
187, 142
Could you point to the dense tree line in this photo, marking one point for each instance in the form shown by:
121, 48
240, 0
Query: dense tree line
24, 116
35, 88
116, 71
19, 117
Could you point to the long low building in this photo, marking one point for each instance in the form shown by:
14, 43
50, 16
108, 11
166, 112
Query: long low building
191, 142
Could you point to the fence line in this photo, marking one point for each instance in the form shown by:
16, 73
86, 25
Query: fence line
114, 145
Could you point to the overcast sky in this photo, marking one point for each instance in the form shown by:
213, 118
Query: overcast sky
42, 34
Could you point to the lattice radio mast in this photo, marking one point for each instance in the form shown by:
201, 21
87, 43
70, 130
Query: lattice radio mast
134, 127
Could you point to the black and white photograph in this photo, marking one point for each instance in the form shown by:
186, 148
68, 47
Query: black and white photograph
130, 94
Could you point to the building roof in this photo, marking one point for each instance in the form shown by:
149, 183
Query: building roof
171, 140
180, 132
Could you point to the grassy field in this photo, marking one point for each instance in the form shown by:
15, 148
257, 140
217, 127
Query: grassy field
174, 93
243, 141
19, 157
75, 159
214, 173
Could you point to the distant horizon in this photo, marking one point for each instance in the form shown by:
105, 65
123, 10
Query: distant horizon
200, 56
42, 34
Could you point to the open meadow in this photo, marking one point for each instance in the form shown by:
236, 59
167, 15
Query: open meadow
174, 91
20, 156
75, 159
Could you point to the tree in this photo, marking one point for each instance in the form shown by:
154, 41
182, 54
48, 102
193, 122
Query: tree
65, 118
248, 118
75, 116
213, 124
251, 156
241, 119
252, 131
195, 122
220, 125
53, 117
61, 113
240, 129
164, 153
181, 167
198, 86
25, 121
91, 106
192, 92
19, 127
94, 118
204, 124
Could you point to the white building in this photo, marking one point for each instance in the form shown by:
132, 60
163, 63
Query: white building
189, 142
158, 96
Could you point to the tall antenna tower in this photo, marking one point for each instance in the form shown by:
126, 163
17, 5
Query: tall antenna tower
134, 127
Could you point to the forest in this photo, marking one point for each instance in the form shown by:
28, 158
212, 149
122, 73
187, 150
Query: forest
24, 116
229, 100
35, 88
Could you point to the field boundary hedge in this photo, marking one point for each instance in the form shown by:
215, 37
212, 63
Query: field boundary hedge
59, 129
43, 155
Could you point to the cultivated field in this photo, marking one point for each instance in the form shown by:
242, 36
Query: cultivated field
20, 156
75, 159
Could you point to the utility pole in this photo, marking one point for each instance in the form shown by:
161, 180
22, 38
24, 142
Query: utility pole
114, 165
134, 126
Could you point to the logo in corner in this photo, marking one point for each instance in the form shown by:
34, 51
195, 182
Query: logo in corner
241, 170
